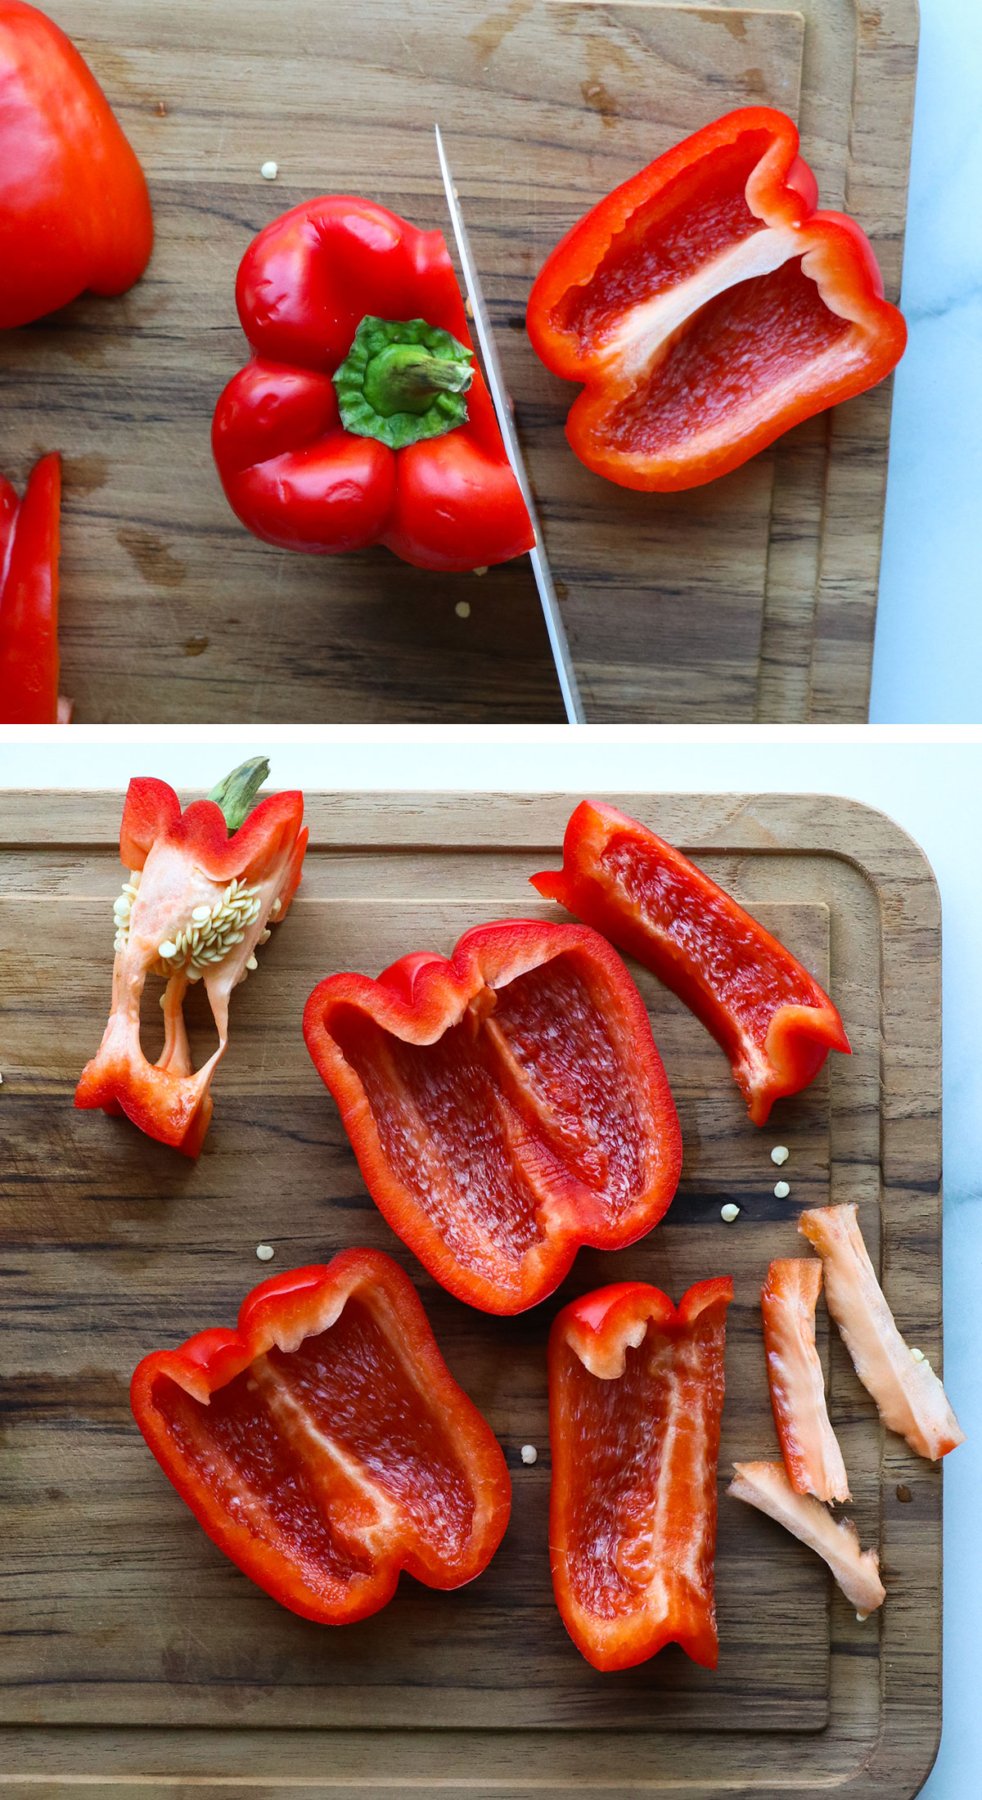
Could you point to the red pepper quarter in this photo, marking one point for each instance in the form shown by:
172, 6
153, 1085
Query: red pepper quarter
361, 418
707, 306
195, 908
324, 1445
30, 540
770, 1016
635, 1403
74, 208
506, 1105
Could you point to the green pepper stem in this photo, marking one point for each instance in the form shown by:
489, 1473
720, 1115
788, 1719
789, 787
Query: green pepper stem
236, 794
406, 378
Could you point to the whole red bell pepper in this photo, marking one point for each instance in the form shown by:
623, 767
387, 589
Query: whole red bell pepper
195, 908
324, 1444
770, 1016
362, 418
506, 1105
635, 1401
29, 547
707, 307
74, 208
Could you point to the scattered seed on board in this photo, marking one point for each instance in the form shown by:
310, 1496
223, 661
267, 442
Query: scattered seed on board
729, 1212
529, 1453
269, 171
781, 1190
780, 1154
265, 1252
463, 609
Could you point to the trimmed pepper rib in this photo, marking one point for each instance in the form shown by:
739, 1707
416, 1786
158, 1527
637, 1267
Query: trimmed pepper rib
324, 1445
812, 1457
909, 1397
635, 1402
707, 306
765, 1485
506, 1105
772, 1018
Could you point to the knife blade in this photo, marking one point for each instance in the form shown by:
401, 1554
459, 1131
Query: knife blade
555, 629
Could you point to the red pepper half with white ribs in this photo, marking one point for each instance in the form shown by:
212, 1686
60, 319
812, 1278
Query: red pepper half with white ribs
765, 1485
909, 1397
812, 1457
195, 908
635, 1401
772, 1018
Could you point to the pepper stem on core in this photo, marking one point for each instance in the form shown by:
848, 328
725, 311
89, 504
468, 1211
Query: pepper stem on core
237, 793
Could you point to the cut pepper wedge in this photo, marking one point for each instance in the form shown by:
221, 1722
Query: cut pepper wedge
909, 1397
770, 1016
765, 1485
195, 907
506, 1105
324, 1444
809, 1446
30, 540
635, 1402
707, 307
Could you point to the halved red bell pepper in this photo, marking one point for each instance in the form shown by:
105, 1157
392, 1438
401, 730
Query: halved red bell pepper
74, 208
635, 1402
809, 1446
324, 1444
30, 541
770, 1016
361, 418
707, 307
506, 1105
195, 908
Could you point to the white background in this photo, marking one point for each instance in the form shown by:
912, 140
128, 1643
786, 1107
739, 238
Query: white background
931, 789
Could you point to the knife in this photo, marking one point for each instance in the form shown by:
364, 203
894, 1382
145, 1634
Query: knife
556, 630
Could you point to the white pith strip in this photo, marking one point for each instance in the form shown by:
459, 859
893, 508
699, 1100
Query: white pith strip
635, 342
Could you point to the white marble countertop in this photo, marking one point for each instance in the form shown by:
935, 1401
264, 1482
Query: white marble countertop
929, 624
932, 790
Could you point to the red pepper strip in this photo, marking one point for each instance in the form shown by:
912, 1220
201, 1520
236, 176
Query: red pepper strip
195, 908
635, 1401
324, 1444
909, 1397
292, 471
74, 208
708, 307
857, 1572
506, 1105
29, 546
772, 1019
811, 1452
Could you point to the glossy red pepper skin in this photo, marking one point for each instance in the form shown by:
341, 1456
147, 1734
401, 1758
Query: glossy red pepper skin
30, 539
707, 307
74, 209
324, 1445
506, 1105
635, 1401
770, 1016
290, 470
184, 859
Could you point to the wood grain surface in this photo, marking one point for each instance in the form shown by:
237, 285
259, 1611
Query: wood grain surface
753, 598
121, 1622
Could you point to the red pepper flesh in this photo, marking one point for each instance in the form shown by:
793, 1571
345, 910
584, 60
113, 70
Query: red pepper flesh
324, 1444
74, 208
180, 863
770, 1016
809, 1446
708, 307
506, 1105
30, 541
291, 472
635, 1402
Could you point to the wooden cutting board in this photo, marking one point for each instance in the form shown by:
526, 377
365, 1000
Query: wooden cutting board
135, 1659
751, 599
